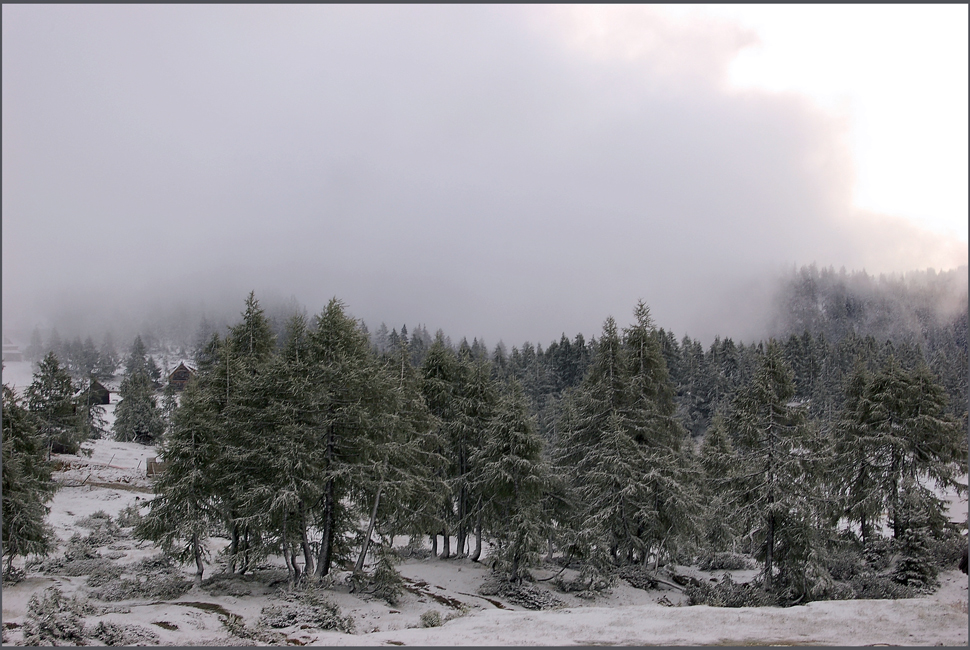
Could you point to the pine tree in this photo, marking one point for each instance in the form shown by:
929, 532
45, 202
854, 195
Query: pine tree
27, 484
776, 479
441, 381
137, 416
51, 399
348, 411
514, 479
894, 428
718, 462
182, 511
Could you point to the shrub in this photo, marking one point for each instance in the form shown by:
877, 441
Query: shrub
524, 595
155, 577
728, 593
113, 634
638, 576
130, 516
103, 529
52, 619
306, 607
874, 587
227, 584
726, 562
845, 563
947, 549
103, 573
387, 582
431, 618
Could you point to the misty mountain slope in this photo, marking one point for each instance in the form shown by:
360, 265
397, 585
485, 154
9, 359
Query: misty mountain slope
922, 307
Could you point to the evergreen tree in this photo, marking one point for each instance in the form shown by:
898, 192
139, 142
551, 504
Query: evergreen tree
51, 399
35, 350
620, 449
718, 462
27, 484
182, 511
514, 479
775, 484
107, 359
348, 410
137, 416
442, 379
894, 428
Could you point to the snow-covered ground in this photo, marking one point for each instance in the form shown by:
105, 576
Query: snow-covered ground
114, 477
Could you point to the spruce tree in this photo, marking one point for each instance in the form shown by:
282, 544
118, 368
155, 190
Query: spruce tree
513, 478
775, 484
138, 417
27, 484
51, 399
182, 511
895, 428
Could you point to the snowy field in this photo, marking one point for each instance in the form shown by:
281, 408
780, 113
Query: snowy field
113, 477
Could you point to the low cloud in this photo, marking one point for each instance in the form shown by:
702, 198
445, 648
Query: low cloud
494, 171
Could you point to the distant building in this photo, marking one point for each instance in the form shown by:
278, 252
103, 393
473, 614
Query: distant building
10, 351
97, 393
181, 376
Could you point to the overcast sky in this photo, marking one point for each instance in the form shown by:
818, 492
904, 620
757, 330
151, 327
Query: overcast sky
501, 172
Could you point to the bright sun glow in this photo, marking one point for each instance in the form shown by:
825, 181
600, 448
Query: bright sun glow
898, 73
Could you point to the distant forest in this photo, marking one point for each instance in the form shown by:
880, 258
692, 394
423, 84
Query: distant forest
824, 319
306, 437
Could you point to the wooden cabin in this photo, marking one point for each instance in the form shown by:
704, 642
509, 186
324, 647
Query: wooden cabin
181, 376
10, 351
97, 393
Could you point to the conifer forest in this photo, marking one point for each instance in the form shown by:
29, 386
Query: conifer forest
820, 453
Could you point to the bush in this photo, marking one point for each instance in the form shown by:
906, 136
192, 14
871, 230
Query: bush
874, 587
638, 576
431, 618
728, 593
947, 549
306, 607
156, 577
845, 563
227, 584
103, 573
103, 530
130, 516
53, 620
113, 634
387, 582
524, 595
726, 562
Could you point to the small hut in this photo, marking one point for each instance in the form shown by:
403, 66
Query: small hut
180, 376
10, 351
97, 393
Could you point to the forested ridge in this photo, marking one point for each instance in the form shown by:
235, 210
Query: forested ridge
819, 452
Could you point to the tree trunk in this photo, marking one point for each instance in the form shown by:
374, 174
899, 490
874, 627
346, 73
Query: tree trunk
330, 502
445, 544
434, 545
769, 551
478, 538
197, 552
326, 543
296, 568
370, 529
307, 553
287, 560
233, 547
